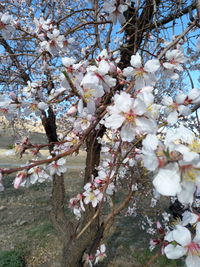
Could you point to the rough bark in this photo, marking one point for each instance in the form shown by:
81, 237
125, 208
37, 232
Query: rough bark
134, 30
74, 249
58, 188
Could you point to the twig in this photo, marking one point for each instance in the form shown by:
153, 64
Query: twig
177, 39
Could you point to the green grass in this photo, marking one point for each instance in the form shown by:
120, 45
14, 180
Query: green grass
10, 146
11, 259
41, 231
9, 188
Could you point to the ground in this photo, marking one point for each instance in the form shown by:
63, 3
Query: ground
27, 237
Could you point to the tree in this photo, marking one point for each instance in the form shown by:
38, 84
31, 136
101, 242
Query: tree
72, 59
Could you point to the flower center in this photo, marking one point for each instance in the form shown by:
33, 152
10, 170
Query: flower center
2, 25
139, 72
33, 106
130, 117
189, 173
55, 165
70, 69
193, 248
37, 170
92, 196
88, 94
53, 43
174, 105
195, 146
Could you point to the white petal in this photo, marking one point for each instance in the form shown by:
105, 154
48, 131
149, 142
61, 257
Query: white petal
128, 72
183, 110
128, 132
68, 61
173, 252
123, 102
121, 18
172, 117
152, 65
167, 181
139, 83
150, 142
194, 95
150, 162
192, 261
103, 67
180, 98
42, 106
122, 8
186, 196
182, 235
139, 107
197, 236
169, 236
145, 125
189, 217
136, 61
102, 248
114, 121
168, 65
109, 7
167, 100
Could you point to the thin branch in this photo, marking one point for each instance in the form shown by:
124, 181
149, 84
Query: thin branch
85, 24
192, 25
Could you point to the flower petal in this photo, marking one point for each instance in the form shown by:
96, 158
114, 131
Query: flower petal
192, 261
167, 180
182, 235
136, 61
152, 65
174, 252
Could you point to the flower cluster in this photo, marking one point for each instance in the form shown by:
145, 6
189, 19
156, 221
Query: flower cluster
175, 162
131, 115
95, 192
182, 242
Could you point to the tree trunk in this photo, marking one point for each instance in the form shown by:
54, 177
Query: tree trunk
74, 249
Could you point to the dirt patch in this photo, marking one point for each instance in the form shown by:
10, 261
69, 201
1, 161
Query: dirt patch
25, 225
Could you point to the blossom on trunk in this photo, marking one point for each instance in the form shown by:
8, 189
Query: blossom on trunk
76, 203
100, 254
57, 167
93, 197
